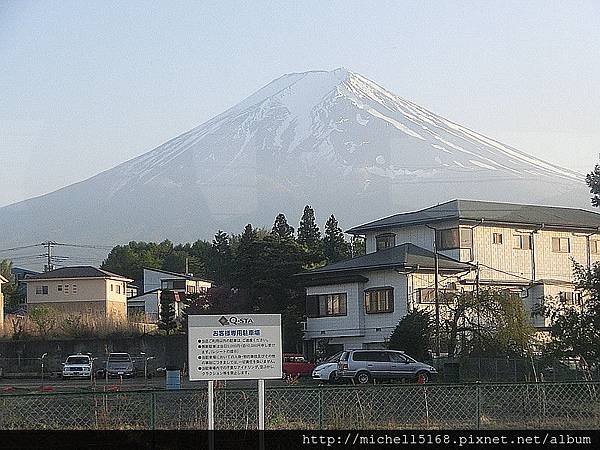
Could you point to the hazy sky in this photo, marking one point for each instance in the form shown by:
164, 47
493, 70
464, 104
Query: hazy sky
87, 85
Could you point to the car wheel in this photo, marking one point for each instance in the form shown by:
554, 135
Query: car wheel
333, 378
363, 377
423, 377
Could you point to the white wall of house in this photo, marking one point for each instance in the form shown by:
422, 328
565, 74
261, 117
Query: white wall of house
152, 279
504, 256
358, 329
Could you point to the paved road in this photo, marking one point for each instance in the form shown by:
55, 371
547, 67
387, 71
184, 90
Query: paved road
138, 383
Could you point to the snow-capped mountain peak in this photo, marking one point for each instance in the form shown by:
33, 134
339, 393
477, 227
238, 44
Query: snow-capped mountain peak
332, 139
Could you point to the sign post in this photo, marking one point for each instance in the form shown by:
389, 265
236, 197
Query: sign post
235, 347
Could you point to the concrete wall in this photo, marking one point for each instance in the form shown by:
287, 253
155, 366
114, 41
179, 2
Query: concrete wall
168, 350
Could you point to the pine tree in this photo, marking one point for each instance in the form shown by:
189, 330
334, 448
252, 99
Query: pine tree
247, 259
167, 320
309, 237
413, 334
335, 248
593, 181
359, 247
281, 228
220, 262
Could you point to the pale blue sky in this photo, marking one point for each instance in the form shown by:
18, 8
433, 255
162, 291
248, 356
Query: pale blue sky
87, 85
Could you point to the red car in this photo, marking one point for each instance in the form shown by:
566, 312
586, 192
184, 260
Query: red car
295, 365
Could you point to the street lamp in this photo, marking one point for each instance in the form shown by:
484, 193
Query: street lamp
42, 360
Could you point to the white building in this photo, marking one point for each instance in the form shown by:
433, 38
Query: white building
524, 248
154, 282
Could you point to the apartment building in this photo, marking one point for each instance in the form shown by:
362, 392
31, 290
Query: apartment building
147, 304
526, 249
79, 290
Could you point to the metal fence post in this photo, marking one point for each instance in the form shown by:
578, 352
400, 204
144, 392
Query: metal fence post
153, 410
478, 408
321, 408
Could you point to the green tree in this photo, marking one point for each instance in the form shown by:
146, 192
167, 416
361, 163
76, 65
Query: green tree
309, 237
413, 334
593, 181
493, 324
12, 296
335, 247
167, 320
44, 318
575, 329
359, 246
281, 228
220, 262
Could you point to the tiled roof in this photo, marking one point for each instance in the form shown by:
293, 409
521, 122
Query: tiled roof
401, 256
77, 272
494, 212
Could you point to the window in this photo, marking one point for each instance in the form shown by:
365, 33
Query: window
111, 287
59, 288
522, 241
427, 295
384, 241
570, 298
371, 356
594, 247
118, 289
326, 305
43, 290
566, 297
561, 245
380, 300
497, 238
74, 289
397, 358
454, 238
66, 288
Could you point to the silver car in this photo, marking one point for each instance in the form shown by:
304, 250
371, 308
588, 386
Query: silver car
119, 365
365, 365
327, 370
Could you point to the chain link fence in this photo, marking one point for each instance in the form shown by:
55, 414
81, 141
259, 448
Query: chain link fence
428, 407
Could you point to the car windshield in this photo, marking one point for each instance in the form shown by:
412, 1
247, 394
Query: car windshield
78, 360
119, 357
334, 358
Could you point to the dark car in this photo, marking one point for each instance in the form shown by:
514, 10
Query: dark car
365, 365
119, 365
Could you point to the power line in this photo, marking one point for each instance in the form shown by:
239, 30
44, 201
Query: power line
20, 248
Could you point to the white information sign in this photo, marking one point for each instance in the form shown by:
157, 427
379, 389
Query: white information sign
234, 347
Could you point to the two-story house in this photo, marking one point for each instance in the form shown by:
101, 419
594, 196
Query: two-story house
147, 304
79, 290
527, 249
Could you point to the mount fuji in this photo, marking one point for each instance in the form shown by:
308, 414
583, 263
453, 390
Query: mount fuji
331, 139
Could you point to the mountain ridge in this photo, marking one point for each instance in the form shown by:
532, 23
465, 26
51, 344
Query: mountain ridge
333, 139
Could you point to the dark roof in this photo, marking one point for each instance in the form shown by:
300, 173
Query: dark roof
401, 256
76, 272
494, 212
181, 275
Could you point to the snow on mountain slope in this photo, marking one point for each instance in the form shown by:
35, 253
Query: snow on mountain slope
335, 140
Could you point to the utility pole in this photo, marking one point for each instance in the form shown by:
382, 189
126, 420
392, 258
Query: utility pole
49, 266
477, 300
437, 298
436, 290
